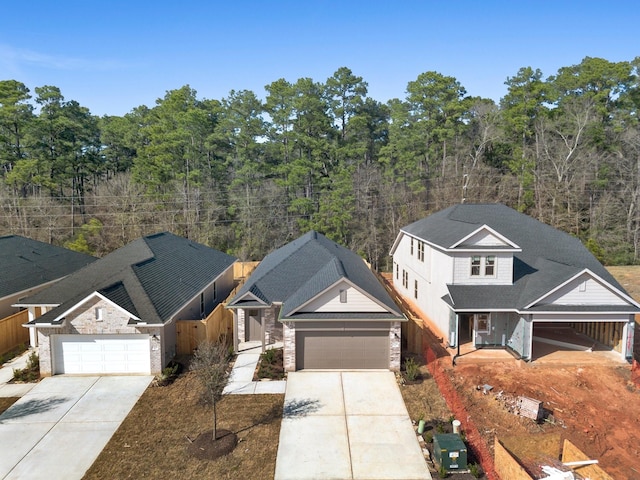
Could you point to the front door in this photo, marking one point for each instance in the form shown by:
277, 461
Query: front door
253, 327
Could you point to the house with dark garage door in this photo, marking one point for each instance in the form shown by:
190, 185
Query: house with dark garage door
323, 303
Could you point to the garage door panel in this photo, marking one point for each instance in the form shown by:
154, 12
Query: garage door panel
100, 354
342, 349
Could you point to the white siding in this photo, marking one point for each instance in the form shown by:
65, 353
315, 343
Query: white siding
484, 238
433, 275
584, 290
581, 317
503, 268
329, 301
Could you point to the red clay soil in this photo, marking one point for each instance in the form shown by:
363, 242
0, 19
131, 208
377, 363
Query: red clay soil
597, 407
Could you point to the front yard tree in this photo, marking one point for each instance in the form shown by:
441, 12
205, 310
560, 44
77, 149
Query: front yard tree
211, 365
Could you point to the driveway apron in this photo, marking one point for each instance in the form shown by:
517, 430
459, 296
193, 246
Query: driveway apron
59, 428
347, 425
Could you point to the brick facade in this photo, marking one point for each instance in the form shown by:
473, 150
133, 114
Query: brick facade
394, 346
83, 321
289, 348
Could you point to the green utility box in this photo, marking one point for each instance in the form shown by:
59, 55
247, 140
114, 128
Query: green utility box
450, 452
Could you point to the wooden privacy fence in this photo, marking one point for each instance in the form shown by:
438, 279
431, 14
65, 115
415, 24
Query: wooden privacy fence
218, 326
12, 333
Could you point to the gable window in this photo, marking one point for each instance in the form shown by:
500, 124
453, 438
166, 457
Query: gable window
490, 266
412, 247
475, 266
421, 251
415, 288
343, 296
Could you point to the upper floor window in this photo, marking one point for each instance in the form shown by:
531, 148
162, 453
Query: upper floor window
475, 266
412, 247
415, 288
405, 279
490, 266
421, 251
397, 271
483, 266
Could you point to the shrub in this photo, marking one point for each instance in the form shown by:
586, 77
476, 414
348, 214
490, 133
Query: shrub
411, 369
269, 356
31, 372
475, 470
442, 472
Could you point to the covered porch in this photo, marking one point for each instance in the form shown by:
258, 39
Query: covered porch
256, 328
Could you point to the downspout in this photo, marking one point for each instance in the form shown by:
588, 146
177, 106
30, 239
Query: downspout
453, 361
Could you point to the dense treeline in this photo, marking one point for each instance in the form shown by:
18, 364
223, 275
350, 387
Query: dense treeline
247, 175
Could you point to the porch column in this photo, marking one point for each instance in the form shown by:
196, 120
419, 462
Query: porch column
263, 320
236, 340
33, 337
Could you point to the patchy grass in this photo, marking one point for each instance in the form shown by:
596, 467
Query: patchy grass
154, 439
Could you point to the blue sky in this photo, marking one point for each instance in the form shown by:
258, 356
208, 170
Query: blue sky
112, 56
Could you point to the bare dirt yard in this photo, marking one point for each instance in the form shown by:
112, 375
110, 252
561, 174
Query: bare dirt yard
154, 439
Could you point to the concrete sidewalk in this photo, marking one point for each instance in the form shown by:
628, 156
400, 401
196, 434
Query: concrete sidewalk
59, 428
241, 378
347, 425
6, 375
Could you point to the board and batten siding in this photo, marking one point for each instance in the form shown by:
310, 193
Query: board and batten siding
503, 268
433, 274
584, 290
223, 286
329, 301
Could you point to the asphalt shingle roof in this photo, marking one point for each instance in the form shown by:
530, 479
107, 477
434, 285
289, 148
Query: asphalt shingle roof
27, 263
300, 270
152, 278
549, 257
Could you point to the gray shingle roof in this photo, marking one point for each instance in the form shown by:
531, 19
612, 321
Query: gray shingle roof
152, 277
27, 263
549, 257
300, 270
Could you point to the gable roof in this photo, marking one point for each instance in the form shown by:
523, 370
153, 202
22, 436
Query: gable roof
300, 270
152, 278
548, 257
27, 263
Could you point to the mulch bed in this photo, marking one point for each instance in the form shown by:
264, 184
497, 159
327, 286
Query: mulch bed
204, 448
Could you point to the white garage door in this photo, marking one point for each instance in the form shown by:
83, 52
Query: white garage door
101, 354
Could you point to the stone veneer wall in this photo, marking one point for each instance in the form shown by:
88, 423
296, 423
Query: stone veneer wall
394, 346
289, 346
273, 328
82, 321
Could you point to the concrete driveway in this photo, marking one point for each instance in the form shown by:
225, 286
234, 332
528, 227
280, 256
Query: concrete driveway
59, 428
347, 425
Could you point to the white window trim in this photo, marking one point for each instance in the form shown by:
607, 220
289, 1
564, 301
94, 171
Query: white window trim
482, 266
477, 321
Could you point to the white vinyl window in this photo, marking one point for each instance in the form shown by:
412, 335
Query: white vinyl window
475, 266
490, 266
421, 251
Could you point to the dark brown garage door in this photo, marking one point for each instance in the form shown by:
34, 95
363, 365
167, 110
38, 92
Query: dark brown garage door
342, 349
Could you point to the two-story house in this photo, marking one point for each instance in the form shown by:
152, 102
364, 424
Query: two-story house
487, 274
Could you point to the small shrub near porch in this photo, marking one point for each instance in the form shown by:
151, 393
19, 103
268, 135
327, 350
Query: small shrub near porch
271, 365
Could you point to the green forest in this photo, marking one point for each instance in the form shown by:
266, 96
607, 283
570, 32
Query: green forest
252, 171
